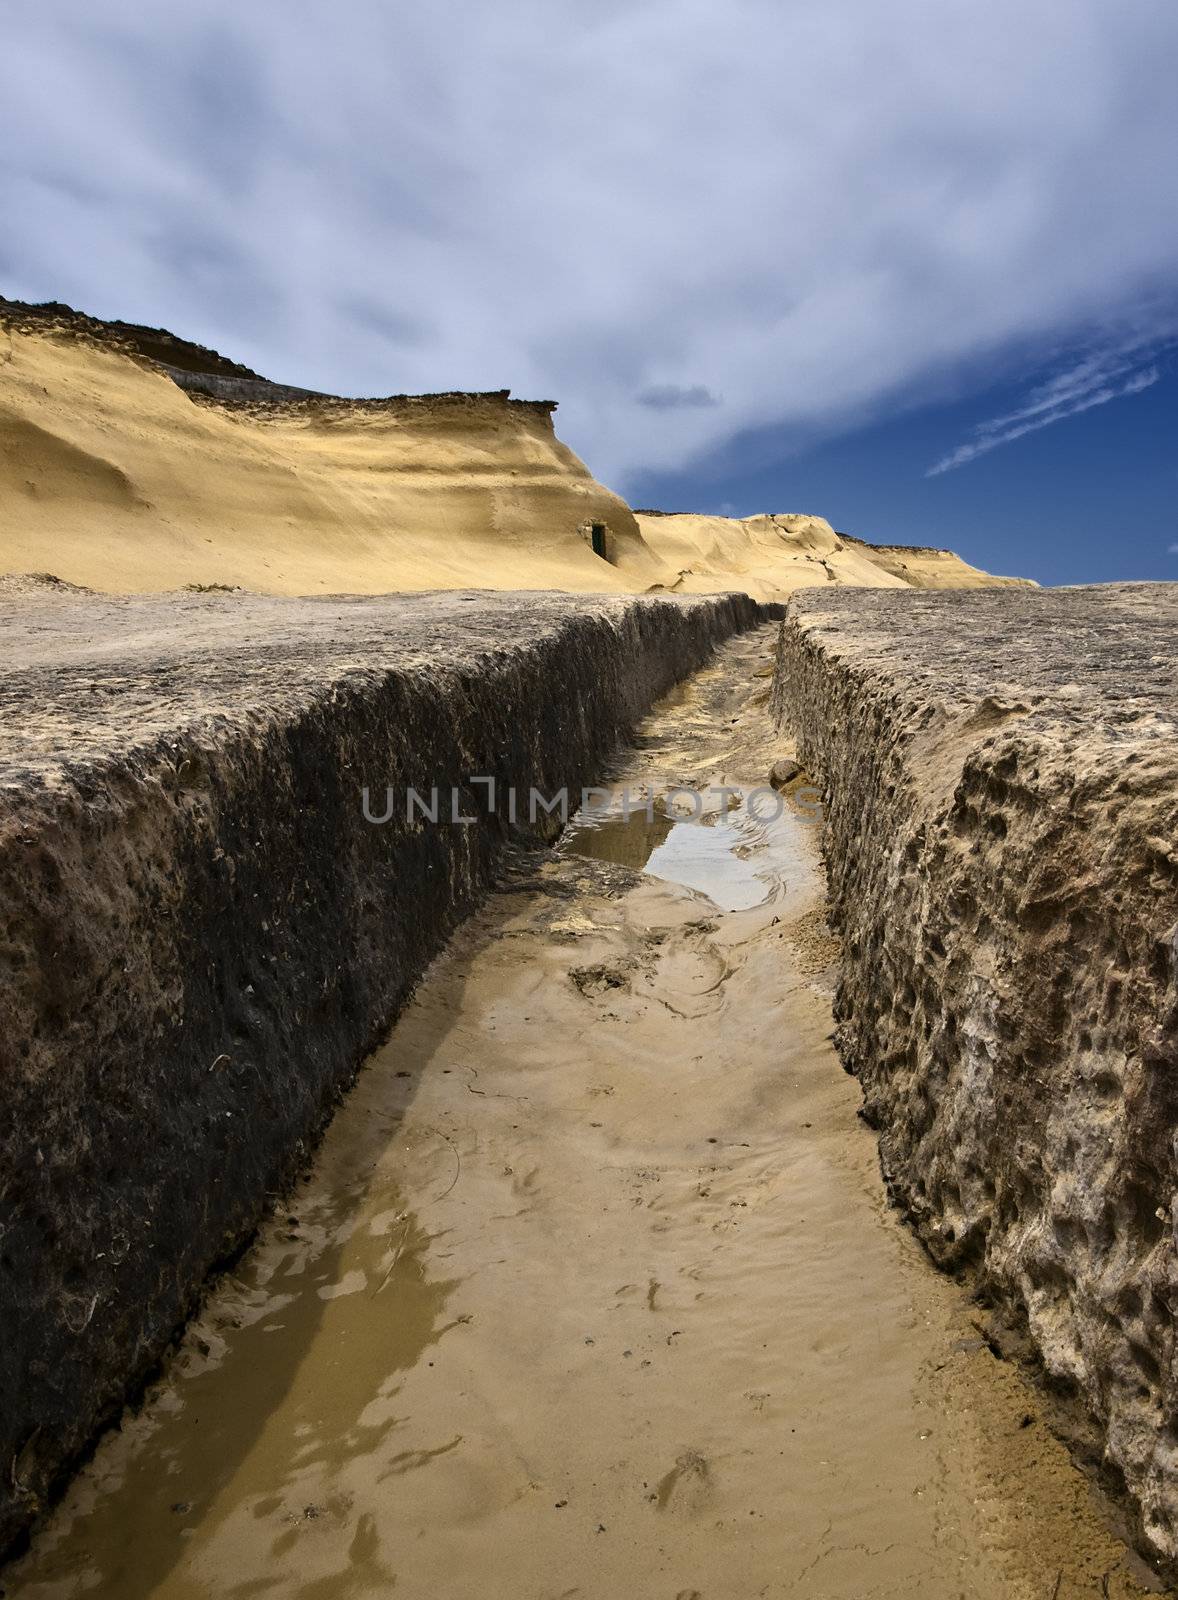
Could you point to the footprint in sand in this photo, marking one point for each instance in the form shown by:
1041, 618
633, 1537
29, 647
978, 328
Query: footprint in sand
687, 1488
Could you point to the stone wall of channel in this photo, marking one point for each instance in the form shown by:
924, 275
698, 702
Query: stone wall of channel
201, 935
1000, 778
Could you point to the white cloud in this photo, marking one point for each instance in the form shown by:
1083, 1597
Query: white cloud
811, 210
1173, 550
1109, 374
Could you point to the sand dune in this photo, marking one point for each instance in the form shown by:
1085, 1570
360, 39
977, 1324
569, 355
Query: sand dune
131, 460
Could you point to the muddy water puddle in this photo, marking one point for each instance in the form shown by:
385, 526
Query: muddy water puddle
593, 1291
736, 857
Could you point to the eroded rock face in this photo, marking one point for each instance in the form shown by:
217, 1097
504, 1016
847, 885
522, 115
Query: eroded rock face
774, 554
133, 461
1000, 772
201, 935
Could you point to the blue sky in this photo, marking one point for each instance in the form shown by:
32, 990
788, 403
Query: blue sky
1092, 498
766, 255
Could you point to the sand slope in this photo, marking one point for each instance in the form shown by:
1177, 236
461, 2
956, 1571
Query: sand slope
772, 555
132, 460
920, 567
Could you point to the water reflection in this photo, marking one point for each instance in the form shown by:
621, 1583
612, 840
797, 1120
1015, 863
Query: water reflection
720, 855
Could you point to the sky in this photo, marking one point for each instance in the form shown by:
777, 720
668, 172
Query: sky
911, 267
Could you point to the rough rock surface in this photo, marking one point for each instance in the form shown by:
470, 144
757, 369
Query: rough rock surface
200, 934
1000, 772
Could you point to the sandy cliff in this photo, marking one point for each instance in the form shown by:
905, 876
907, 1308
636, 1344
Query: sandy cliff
132, 460
921, 567
772, 555
115, 477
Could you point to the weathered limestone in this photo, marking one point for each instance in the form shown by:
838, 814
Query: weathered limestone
200, 934
1000, 771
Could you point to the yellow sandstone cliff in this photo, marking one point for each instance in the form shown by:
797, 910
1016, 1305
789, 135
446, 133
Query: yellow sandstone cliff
131, 460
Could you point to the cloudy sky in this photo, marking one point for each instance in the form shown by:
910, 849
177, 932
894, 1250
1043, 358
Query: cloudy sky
889, 255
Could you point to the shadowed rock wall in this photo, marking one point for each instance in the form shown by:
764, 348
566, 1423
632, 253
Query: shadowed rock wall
1000, 773
200, 934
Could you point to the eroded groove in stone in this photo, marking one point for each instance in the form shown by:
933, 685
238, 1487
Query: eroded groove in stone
200, 934
1000, 773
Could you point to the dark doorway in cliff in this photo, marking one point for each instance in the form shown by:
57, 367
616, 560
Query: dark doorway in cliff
597, 539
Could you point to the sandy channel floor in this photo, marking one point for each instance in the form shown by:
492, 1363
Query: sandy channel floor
594, 1291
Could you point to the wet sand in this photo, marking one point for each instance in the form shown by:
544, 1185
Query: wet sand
594, 1290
